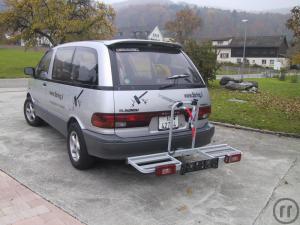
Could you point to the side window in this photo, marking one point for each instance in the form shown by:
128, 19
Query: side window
62, 66
85, 66
43, 67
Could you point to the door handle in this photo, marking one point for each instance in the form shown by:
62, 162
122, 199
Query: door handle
44, 84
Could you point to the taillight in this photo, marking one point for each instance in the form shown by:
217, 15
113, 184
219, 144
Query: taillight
233, 158
204, 112
165, 170
103, 120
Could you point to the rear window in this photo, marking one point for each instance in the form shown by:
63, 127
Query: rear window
154, 67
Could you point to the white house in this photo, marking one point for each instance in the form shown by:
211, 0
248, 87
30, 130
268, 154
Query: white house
156, 35
266, 51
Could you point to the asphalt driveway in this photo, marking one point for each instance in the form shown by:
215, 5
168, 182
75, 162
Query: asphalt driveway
114, 193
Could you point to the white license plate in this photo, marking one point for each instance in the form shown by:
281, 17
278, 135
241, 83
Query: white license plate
164, 122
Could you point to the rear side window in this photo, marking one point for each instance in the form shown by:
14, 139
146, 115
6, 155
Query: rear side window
85, 66
43, 67
62, 67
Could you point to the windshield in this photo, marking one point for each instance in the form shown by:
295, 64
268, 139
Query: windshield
146, 66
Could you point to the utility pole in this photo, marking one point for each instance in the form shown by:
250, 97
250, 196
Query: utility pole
244, 21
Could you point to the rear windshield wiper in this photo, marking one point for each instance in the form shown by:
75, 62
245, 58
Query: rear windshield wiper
177, 76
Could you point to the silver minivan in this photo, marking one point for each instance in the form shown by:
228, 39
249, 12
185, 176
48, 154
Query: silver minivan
112, 99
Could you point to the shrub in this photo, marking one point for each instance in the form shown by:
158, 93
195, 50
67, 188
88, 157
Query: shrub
282, 74
294, 78
204, 56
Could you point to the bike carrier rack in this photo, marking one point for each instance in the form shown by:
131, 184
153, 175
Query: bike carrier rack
213, 155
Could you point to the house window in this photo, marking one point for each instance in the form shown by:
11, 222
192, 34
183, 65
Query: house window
239, 60
253, 61
272, 62
224, 55
220, 42
264, 62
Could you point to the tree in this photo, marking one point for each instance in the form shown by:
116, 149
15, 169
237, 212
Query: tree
294, 52
58, 21
293, 22
184, 24
204, 57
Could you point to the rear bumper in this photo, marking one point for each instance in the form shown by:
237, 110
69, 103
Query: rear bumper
115, 147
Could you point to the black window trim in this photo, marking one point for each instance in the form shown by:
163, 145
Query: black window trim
71, 82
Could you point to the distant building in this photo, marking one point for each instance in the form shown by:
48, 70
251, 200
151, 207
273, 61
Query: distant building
156, 35
141, 33
41, 42
266, 51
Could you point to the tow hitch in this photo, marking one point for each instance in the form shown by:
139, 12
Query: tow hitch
166, 163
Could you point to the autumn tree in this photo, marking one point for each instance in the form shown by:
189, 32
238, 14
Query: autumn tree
58, 21
184, 25
204, 56
293, 24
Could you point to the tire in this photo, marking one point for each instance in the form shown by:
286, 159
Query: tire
29, 112
77, 150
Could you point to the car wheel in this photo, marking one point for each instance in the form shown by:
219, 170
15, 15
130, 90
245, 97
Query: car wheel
78, 154
30, 115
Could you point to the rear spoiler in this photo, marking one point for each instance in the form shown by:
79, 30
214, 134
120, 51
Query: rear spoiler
143, 42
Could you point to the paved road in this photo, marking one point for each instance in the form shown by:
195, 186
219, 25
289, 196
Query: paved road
20, 83
114, 193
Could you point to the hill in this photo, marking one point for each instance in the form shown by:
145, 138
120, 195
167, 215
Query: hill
215, 22
2, 5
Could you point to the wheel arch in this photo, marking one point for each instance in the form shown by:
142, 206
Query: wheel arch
73, 119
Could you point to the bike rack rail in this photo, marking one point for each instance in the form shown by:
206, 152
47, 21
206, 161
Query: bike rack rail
218, 154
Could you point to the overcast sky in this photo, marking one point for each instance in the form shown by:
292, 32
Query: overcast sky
249, 5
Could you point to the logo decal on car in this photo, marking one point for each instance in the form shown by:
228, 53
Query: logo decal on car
194, 95
76, 99
139, 99
56, 95
166, 98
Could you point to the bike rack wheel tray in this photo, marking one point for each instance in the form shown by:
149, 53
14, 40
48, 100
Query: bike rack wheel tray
169, 163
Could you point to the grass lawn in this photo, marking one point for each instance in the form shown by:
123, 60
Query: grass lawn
276, 107
13, 61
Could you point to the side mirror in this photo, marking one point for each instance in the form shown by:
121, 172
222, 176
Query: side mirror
29, 71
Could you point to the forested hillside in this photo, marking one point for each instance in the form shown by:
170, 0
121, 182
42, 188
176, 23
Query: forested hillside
1, 5
215, 22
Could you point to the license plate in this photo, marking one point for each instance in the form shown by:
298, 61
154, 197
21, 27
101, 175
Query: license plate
199, 165
164, 122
